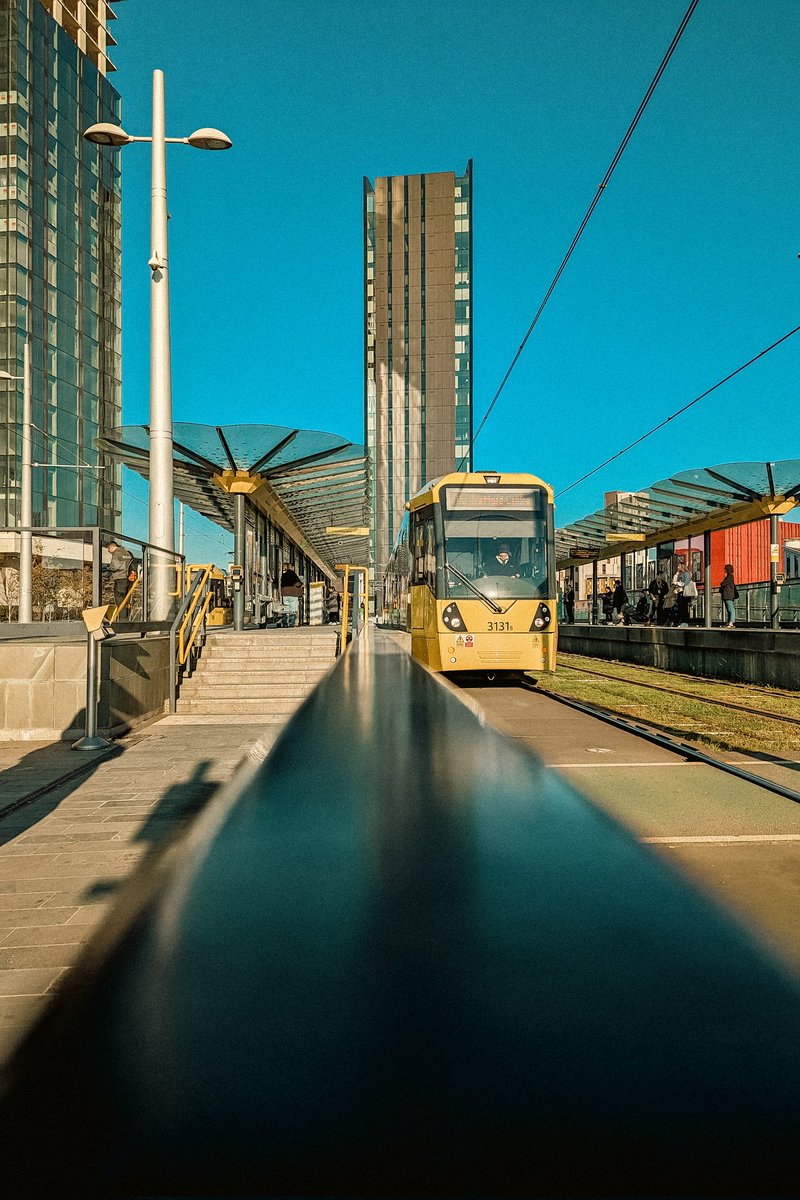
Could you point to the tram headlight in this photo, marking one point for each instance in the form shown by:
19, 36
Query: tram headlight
453, 619
542, 619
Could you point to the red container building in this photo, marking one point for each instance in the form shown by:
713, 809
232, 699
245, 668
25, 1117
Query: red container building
747, 547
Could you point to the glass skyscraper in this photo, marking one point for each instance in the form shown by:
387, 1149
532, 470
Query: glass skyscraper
60, 257
417, 340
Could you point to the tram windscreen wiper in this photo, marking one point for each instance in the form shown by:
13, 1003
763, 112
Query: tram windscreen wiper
466, 580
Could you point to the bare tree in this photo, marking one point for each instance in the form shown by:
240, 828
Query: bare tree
9, 589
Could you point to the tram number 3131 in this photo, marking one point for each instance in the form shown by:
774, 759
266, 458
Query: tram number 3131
499, 627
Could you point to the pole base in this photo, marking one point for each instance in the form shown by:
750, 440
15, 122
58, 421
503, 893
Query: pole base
95, 742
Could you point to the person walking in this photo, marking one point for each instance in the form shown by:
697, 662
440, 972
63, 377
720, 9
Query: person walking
730, 594
119, 568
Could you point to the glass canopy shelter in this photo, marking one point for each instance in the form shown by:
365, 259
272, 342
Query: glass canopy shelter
693, 502
306, 482
681, 507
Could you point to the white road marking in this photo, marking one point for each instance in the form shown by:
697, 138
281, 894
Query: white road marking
745, 837
596, 765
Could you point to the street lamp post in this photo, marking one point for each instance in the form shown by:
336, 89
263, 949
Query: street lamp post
162, 520
25, 611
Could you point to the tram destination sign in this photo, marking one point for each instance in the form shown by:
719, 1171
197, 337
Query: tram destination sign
519, 498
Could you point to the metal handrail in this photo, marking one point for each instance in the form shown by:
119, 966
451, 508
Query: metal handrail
177, 658
466, 980
126, 601
203, 574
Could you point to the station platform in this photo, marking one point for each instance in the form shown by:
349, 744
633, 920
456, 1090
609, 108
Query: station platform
74, 827
767, 657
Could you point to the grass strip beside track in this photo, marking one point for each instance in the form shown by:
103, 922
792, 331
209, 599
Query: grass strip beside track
690, 718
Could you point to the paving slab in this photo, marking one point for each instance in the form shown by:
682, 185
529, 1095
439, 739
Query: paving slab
65, 854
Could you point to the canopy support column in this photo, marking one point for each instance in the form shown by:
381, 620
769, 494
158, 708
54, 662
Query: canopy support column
707, 579
774, 595
594, 592
239, 551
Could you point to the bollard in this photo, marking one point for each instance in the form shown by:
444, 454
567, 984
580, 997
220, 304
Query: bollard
98, 629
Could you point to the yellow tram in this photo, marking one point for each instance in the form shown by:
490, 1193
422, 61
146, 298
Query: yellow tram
472, 575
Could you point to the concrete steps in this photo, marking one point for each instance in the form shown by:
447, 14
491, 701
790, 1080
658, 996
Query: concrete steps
262, 675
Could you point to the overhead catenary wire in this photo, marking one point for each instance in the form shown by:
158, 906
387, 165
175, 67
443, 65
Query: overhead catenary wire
679, 411
601, 187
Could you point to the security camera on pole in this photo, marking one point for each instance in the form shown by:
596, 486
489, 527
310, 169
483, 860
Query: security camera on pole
162, 520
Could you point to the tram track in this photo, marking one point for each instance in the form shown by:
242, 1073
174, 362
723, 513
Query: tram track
754, 712
664, 741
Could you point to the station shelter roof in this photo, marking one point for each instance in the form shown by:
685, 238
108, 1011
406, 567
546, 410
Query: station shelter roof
306, 480
681, 506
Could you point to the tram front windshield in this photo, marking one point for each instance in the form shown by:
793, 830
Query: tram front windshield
496, 537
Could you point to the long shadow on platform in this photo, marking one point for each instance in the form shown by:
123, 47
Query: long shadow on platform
169, 820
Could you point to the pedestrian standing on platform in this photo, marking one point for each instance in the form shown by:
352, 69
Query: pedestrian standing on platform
653, 595
669, 612
569, 602
661, 596
681, 581
618, 600
332, 607
607, 600
291, 591
730, 594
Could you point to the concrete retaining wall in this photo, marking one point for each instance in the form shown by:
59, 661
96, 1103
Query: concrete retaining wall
759, 656
43, 686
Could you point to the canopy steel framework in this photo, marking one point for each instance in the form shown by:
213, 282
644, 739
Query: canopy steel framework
307, 479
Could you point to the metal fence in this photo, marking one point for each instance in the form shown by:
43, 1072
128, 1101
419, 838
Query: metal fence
752, 608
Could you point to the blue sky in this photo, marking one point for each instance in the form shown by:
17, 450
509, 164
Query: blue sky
688, 267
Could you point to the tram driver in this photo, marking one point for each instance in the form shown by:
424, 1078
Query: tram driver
502, 563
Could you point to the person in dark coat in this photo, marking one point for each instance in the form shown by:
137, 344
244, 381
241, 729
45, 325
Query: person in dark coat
569, 603
501, 564
607, 601
730, 594
619, 599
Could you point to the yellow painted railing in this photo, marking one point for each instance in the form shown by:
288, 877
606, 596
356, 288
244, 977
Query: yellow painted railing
195, 614
127, 599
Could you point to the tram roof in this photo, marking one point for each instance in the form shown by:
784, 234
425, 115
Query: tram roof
683, 505
317, 479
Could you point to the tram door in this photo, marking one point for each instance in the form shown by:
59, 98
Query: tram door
423, 580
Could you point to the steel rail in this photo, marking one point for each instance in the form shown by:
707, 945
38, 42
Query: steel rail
657, 687
666, 742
